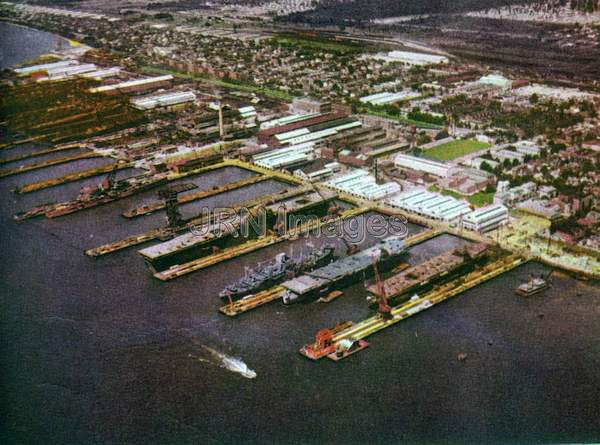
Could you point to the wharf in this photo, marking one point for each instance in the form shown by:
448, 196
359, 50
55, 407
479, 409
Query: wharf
228, 224
39, 153
192, 222
250, 246
40, 185
48, 163
261, 298
183, 199
133, 185
363, 329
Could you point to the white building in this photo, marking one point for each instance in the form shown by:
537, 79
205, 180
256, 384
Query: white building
431, 205
412, 58
424, 165
286, 157
362, 184
389, 98
486, 219
163, 100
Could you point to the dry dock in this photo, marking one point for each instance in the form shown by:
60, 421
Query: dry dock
363, 329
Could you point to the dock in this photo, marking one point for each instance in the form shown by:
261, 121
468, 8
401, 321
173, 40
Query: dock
48, 163
34, 154
250, 246
261, 298
359, 331
132, 186
184, 199
163, 233
72, 177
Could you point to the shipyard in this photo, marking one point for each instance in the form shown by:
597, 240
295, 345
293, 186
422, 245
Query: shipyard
190, 231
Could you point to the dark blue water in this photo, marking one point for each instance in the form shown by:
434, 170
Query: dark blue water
99, 352
19, 44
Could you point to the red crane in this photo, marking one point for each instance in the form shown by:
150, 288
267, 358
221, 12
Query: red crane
383, 308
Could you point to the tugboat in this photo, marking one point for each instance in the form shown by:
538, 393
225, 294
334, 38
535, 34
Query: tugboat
532, 287
282, 268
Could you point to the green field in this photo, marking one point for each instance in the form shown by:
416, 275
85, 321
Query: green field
318, 44
455, 149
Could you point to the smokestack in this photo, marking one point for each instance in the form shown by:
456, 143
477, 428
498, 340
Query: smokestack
221, 127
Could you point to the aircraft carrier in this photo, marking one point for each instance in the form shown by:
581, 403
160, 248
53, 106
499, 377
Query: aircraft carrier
344, 272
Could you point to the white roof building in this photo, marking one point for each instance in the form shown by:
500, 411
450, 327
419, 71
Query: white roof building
362, 184
485, 219
425, 165
431, 205
413, 58
285, 157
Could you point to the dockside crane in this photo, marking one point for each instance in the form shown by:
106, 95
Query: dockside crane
383, 307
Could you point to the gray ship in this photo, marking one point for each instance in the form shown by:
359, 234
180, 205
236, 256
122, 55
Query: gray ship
344, 272
274, 273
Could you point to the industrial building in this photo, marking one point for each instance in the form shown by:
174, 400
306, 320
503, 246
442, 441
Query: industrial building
28, 70
412, 58
362, 184
424, 165
163, 100
135, 85
293, 155
431, 205
307, 128
389, 98
485, 219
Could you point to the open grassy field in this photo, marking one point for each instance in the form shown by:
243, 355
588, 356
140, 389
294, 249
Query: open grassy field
455, 149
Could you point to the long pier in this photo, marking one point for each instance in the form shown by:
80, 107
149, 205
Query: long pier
48, 163
39, 153
40, 185
249, 303
189, 197
196, 221
135, 185
250, 246
363, 329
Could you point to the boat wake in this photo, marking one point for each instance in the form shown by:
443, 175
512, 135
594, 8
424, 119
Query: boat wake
232, 364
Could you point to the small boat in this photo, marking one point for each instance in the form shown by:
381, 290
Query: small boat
532, 287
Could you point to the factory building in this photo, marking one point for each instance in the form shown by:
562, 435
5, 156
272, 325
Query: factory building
28, 70
412, 58
287, 157
362, 184
431, 205
130, 86
486, 219
163, 100
389, 98
423, 165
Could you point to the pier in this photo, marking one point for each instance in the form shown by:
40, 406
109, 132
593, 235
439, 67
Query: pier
184, 199
250, 246
166, 232
359, 331
72, 177
251, 302
48, 163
